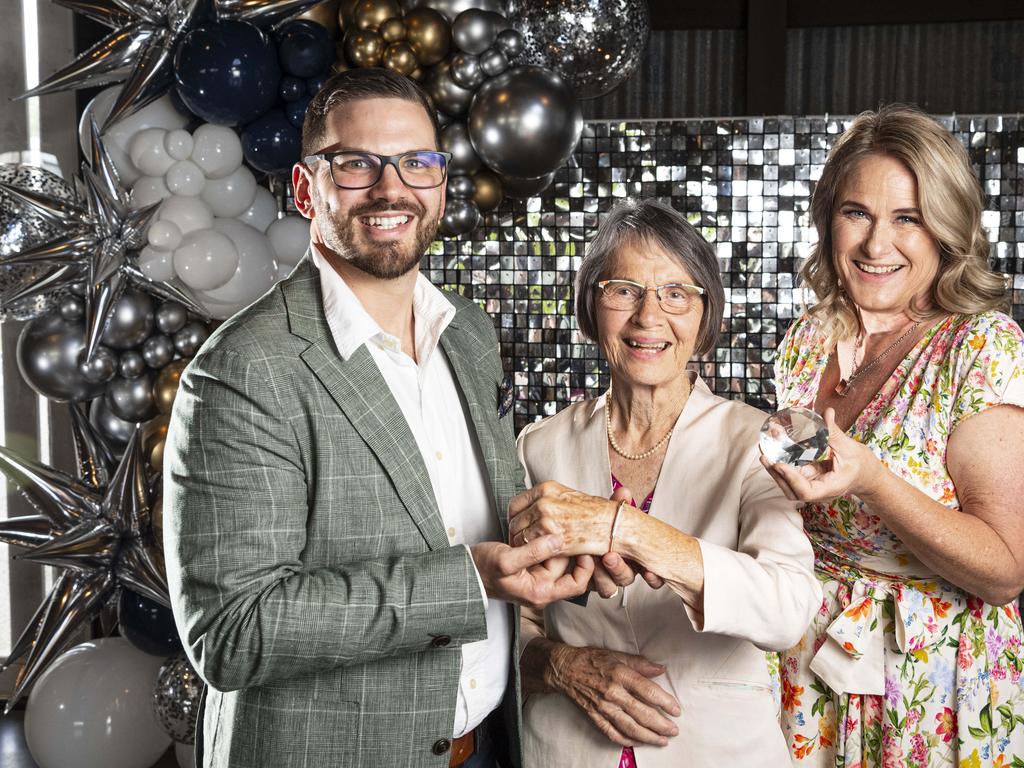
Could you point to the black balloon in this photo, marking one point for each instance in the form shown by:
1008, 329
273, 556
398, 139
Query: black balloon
71, 308
271, 144
466, 71
147, 625
49, 352
523, 188
227, 73
525, 123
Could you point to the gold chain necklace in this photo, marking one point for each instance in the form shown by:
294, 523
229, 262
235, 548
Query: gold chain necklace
844, 385
611, 437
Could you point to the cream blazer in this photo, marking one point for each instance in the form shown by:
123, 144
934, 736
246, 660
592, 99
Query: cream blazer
759, 591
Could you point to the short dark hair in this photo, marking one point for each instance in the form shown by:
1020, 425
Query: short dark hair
355, 84
654, 221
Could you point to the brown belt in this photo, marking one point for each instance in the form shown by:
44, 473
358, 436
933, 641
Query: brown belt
462, 749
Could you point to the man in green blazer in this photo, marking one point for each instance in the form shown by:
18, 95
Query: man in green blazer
338, 470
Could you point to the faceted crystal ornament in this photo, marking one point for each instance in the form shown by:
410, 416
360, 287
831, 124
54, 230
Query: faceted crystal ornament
795, 436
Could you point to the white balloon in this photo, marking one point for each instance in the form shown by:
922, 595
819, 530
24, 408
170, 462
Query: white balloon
185, 178
163, 235
185, 754
188, 213
178, 144
93, 708
205, 259
156, 265
263, 211
148, 190
289, 238
117, 137
230, 196
147, 152
217, 150
256, 273
283, 270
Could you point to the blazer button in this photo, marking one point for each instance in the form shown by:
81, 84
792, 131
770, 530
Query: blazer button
440, 642
441, 746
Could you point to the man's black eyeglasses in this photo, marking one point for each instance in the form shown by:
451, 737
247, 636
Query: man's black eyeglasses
419, 169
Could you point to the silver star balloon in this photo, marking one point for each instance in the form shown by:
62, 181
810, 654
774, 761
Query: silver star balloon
140, 50
95, 528
97, 244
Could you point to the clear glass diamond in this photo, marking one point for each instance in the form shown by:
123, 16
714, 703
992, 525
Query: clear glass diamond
795, 436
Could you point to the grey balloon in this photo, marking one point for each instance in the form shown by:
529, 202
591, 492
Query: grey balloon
524, 188
132, 399
460, 216
447, 95
594, 44
452, 8
130, 320
466, 71
171, 317
493, 62
473, 31
131, 364
71, 308
510, 41
189, 339
101, 367
455, 139
112, 426
158, 350
48, 353
460, 186
525, 123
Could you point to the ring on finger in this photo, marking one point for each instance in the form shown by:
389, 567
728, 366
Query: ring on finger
614, 594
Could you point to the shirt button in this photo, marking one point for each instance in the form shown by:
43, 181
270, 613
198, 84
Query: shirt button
440, 642
441, 746
451, 533
439, 455
472, 682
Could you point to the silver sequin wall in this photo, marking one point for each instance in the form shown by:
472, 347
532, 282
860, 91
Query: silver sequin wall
745, 184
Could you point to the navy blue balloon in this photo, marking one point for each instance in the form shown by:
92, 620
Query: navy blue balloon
227, 73
147, 625
305, 48
292, 88
314, 84
271, 144
296, 111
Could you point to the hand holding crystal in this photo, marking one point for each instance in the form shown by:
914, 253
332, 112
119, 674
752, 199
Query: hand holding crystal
583, 522
850, 468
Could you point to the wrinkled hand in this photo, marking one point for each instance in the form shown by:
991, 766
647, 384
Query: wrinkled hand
851, 468
616, 692
584, 522
531, 575
611, 571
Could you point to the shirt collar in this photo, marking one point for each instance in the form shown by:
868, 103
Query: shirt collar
352, 326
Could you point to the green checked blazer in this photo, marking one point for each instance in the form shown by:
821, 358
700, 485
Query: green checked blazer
311, 577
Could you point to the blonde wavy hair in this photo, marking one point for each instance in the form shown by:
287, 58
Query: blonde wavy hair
951, 202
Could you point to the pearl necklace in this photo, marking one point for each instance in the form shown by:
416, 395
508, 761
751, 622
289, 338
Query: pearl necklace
611, 436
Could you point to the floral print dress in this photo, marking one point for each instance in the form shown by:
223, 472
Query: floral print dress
899, 667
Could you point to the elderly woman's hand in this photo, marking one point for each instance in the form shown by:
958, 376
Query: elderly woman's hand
851, 468
614, 689
583, 521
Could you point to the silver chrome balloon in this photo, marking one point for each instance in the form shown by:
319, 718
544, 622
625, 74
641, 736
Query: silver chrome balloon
493, 62
594, 44
170, 317
466, 71
101, 367
510, 41
132, 399
447, 95
525, 123
460, 216
473, 31
158, 351
129, 320
460, 186
521, 189
452, 8
131, 364
48, 353
116, 430
455, 139
190, 338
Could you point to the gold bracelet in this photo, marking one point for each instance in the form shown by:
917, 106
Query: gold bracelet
615, 522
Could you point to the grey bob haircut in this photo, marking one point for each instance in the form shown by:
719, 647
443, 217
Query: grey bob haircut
652, 221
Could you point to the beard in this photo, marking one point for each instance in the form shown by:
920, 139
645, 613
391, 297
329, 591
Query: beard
385, 261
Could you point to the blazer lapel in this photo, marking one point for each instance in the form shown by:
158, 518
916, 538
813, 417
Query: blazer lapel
358, 388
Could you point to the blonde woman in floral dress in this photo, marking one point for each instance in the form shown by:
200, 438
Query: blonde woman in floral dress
917, 523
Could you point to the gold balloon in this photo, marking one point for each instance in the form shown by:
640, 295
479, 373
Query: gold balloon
370, 14
154, 433
345, 10
487, 193
325, 14
428, 33
417, 74
156, 521
364, 49
392, 30
165, 388
400, 58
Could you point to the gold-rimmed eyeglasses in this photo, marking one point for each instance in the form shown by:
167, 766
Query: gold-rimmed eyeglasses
674, 298
418, 169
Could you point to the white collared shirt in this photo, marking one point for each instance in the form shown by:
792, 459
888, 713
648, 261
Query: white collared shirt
430, 401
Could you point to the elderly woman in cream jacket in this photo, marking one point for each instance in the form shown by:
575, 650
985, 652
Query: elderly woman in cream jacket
661, 476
